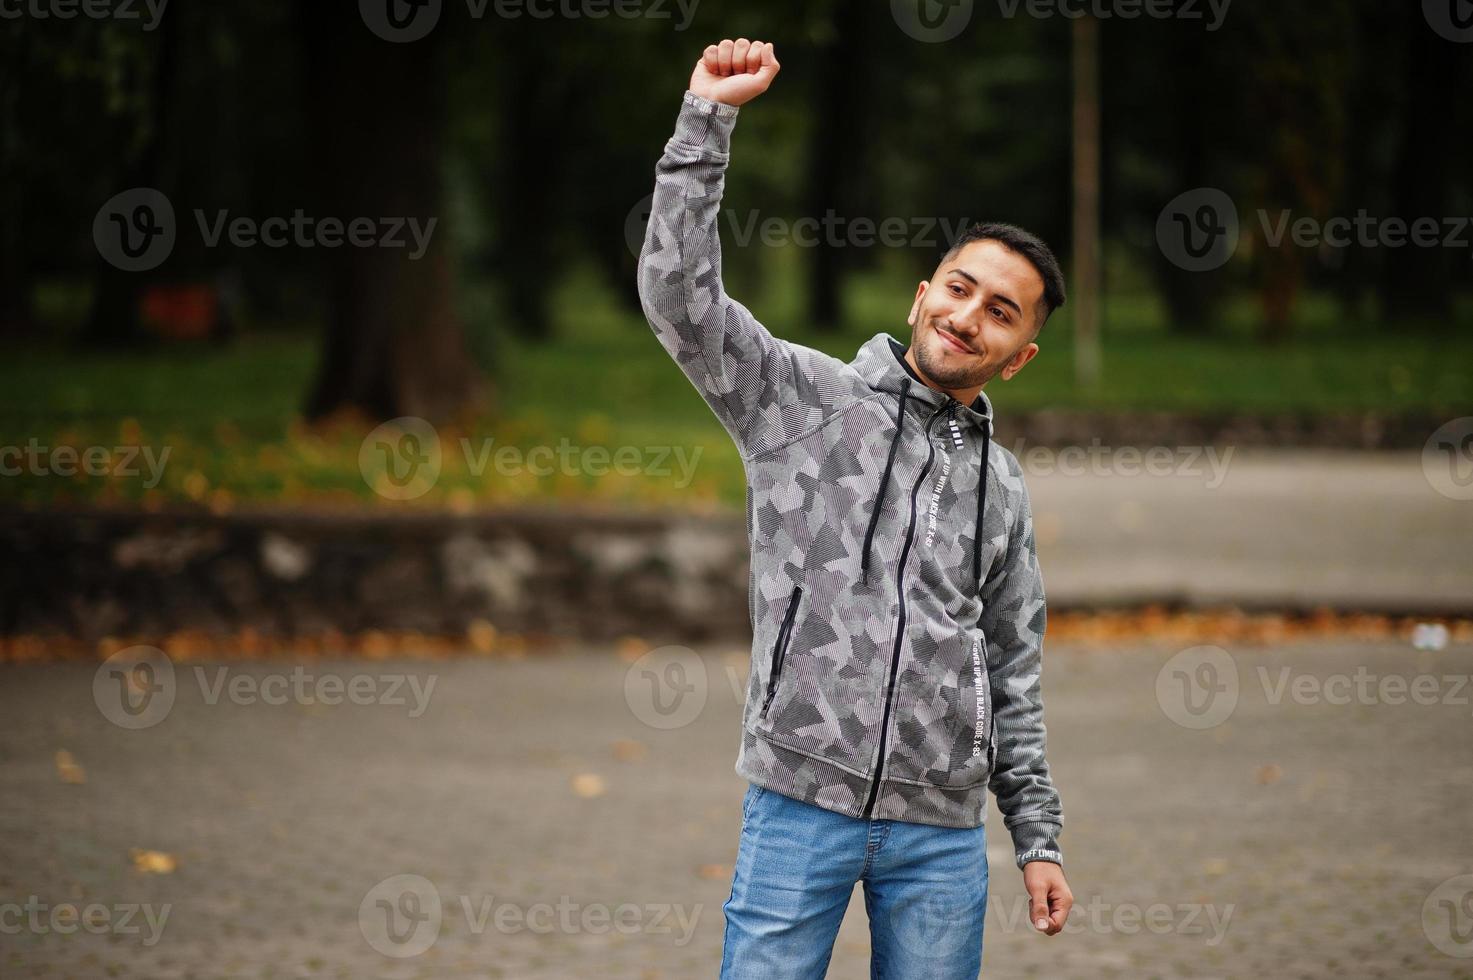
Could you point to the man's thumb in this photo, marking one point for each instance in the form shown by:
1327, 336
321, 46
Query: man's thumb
769, 65
1038, 909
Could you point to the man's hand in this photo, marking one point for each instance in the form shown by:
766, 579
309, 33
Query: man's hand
1049, 896
735, 72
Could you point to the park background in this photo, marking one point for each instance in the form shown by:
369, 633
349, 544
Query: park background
296, 453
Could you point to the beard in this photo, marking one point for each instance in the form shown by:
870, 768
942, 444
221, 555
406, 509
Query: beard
949, 370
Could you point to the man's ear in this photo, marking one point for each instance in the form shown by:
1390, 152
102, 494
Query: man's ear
915, 308
1016, 362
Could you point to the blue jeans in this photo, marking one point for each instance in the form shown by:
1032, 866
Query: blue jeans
925, 889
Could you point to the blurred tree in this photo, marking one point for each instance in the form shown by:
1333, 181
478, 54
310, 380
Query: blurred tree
840, 130
1417, 282
1295, 95
113, 320
1165, 140
393, 343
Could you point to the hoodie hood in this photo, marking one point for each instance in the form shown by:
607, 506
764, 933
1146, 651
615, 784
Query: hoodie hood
881, 362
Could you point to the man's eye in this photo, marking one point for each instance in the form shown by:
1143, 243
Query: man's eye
956, 290
998, 312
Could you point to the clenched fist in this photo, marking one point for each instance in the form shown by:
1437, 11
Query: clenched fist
735, 72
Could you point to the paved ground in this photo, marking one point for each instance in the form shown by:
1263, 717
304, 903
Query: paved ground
1254, 527
1302, 838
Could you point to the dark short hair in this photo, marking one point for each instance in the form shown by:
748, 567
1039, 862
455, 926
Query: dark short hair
1023, 243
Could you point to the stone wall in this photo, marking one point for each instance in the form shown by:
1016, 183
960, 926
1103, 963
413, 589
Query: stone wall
564, 574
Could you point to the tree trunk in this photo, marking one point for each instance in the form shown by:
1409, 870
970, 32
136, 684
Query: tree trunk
1087, 274
393, 344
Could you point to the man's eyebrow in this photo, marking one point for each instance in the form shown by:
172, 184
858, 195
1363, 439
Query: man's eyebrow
1008, 302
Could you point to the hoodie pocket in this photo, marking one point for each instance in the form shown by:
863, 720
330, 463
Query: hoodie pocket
946, 727
780, 648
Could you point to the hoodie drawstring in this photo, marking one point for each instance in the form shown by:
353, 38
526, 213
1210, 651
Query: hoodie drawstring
879, 504
874, 516
981, 505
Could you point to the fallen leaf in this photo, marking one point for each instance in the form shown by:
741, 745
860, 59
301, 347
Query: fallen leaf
482, 636
714, 871
631, 648
152, 862
629, 750
1270, 774
588, 784
68, 770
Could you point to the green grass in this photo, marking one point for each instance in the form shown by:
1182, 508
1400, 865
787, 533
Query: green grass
228, 416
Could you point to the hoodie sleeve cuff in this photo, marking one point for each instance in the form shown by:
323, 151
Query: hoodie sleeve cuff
705, 123
1037, 842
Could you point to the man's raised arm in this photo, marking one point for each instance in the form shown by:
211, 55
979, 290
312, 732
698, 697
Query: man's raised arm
736, 364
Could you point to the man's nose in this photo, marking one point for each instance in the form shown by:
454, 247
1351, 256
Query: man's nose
966, 323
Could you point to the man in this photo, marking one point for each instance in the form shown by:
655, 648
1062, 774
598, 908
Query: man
896, 603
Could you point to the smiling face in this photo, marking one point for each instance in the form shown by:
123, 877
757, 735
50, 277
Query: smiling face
976, 319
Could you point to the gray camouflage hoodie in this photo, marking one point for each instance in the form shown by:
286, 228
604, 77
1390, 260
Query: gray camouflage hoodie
896, 603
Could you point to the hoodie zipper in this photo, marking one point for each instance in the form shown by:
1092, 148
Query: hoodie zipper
869, 804
780, 647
